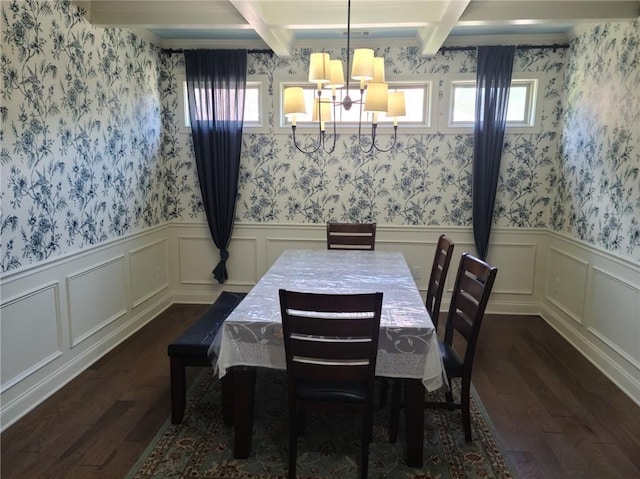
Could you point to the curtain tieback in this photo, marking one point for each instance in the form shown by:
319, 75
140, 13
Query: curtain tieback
220, 271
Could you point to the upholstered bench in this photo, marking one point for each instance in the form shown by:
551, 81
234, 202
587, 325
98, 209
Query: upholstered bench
191, 348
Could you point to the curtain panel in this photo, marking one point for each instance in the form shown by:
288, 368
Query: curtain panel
493, 80
216, 82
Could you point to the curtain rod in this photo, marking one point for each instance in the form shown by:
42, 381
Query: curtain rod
553, 46
180, 50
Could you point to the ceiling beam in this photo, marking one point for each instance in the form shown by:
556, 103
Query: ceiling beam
432, 37
279, 40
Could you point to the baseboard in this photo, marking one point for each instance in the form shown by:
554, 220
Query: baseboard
45, 388
596, 356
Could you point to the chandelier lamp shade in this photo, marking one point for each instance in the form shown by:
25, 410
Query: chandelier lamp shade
327, 74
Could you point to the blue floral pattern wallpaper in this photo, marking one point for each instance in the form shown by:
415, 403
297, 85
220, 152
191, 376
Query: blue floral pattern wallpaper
81, 133
92, 147
598, 180
424, 180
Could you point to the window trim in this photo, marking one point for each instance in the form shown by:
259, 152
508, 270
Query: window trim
535, 100
253, 125
426, 125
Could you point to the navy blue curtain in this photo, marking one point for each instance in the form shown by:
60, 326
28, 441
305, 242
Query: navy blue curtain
495, 66
216, 82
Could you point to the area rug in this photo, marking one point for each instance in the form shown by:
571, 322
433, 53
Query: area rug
202, 446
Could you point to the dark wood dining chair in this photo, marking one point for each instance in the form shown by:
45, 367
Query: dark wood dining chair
336, 374
435, 289
437, 279
353, 236
471, 292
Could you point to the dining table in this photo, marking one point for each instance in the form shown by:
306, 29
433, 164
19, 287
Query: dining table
251, 336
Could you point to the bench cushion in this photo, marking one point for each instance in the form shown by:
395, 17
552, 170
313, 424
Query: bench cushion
195, 341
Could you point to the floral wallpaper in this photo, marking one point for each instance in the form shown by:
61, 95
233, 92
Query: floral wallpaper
598, 181
424, 180
81, 133
92, 148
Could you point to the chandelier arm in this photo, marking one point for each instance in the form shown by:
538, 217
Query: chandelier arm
390, 147
306, 152
333, 146
321, 141
393, 143
363, 150
335, 134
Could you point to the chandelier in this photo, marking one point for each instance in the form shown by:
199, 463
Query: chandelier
375, 97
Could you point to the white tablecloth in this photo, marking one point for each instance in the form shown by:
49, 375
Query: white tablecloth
408, 348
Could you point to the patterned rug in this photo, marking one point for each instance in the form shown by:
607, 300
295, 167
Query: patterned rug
202, 446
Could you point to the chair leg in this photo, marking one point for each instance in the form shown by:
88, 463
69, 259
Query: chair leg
466, 410
367, 436
396, 404
364, 469
293, 440
301, 422
449, 395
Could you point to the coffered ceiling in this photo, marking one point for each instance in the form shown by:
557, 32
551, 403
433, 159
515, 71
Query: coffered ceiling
282, 25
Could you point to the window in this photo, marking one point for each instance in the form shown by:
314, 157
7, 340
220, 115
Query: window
521, 109
252, 105
417, 99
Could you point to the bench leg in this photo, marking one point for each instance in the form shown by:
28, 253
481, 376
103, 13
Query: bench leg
178, 390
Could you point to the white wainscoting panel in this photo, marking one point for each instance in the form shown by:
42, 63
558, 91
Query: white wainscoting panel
566, 283
418, 253
197, 259
516, 265
97, 297
595, 305
31, 333
243, 264
148, 270
610, 302
59, 316
517, 261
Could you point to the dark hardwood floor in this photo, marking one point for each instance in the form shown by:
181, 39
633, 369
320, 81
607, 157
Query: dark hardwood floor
556, 415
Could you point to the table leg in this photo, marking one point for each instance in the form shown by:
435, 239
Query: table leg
414, 420
244, 385
227, 399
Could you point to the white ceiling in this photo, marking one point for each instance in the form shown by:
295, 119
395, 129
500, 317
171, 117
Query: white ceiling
282, 25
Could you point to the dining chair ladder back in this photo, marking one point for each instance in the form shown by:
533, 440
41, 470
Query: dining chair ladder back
435, 289
351, 236
473, 286
331, 345
437, 279
474, 282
